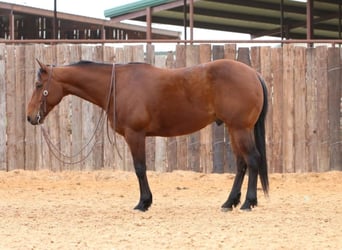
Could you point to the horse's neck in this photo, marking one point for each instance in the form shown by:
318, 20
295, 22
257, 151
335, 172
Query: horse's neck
87, 83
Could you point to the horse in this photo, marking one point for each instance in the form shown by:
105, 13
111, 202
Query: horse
142, 100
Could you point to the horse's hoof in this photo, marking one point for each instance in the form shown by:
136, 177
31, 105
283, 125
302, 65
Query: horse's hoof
247, 205
226, 209
141, 207
246, 209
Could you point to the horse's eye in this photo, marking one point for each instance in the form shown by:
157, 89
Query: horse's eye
39, 85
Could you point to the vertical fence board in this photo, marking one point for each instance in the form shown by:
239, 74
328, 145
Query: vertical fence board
10, 107
3, 113
322, 108
299, 109
311, 111
288, 109
31, 154
20, 107
275, 142
334, 108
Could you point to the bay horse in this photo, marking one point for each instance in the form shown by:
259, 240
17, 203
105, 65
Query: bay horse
150, 101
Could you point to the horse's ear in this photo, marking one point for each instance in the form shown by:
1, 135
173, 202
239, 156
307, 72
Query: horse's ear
43, 67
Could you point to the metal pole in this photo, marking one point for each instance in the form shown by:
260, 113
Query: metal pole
54, 25
309, 21
340, 20
184, 21
148, 23
191, 20
282, 19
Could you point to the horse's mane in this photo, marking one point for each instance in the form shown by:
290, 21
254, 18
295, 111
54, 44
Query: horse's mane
85, 63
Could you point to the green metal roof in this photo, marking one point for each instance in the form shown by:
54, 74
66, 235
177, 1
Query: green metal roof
135, 6
254, 17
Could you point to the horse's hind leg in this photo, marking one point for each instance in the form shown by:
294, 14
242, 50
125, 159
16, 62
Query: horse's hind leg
136, 142
235, 194
247, 157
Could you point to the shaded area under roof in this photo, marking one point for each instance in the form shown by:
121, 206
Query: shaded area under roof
279, 18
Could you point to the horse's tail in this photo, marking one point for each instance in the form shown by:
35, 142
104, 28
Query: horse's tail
259, 134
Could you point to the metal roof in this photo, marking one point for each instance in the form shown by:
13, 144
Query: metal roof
255, 17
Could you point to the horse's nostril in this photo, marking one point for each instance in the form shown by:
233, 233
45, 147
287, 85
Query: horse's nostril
28, 118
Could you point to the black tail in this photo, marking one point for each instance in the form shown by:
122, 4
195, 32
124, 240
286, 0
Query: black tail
259, 134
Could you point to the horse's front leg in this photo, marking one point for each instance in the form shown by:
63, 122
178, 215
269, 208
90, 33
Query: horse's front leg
136, 142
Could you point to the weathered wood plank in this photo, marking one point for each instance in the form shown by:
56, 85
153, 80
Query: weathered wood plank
299, 109
31, 154
3, 113
288, 109
321, 62
11, 70
275, 159
334, 107
311, 111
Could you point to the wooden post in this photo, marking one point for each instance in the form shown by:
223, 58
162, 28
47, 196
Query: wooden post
299, 65
311, 111
321, 64
334, 107
3, 73
31, 154
276, 156
288, 109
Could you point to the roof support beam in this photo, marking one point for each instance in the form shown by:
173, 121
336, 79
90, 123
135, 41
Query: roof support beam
309, 20
148, 23
191, 5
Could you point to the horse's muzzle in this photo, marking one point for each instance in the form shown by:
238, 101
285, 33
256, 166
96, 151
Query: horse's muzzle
36, 120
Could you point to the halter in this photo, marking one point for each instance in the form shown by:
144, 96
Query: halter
44, 97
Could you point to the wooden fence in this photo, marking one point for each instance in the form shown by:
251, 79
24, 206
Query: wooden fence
303, 124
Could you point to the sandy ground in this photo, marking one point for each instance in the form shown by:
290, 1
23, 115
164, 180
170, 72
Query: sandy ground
93, 210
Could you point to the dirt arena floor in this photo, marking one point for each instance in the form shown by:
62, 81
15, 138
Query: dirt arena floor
93, 210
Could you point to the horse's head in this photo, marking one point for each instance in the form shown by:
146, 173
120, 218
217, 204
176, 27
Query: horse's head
47, 94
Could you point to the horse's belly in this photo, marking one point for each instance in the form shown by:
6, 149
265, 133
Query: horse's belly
181, 124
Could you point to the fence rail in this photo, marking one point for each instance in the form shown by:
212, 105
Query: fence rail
303, 126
